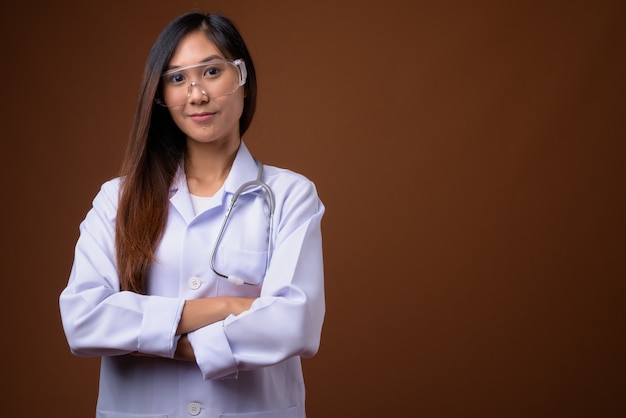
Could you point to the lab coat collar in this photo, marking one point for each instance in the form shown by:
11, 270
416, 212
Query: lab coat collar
244, 169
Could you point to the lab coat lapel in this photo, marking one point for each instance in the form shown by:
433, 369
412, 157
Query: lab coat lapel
244, 169
179, 197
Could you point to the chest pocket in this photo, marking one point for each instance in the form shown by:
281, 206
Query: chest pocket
243, 249
244, 264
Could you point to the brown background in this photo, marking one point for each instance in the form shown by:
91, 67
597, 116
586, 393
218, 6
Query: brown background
470, 155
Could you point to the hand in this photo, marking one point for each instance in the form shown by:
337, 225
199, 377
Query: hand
184, 351
239, 305
198, 313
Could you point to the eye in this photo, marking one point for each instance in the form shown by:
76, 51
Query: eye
175, 78
213, 70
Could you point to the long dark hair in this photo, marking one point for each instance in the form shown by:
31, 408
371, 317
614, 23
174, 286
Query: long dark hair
156, 146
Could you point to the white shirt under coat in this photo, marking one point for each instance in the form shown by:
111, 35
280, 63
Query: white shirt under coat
246, 364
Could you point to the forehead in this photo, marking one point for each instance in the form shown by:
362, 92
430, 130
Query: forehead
194, 47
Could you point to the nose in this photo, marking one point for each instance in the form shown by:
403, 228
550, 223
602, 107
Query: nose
197, 95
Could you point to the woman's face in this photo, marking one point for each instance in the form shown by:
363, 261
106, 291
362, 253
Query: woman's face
202, 118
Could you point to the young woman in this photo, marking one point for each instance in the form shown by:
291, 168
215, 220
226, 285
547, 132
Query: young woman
197, 309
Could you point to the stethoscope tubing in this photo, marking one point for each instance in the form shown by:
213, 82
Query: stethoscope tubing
271, 206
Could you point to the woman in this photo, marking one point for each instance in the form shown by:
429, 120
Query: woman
193, 315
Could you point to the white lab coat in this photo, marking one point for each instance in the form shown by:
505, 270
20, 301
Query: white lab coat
246, 365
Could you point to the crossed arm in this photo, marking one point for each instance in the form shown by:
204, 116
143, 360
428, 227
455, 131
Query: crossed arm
201, 312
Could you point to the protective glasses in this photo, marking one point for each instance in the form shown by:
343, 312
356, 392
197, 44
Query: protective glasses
213, 79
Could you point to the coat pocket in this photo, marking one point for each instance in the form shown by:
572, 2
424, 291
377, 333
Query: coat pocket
247, 265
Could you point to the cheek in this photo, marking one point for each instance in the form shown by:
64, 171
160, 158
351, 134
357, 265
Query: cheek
237, 104
177, 117
233, 109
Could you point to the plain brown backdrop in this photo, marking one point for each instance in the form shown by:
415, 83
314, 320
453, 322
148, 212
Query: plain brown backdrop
471, 157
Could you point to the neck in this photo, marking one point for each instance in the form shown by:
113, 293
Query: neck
207, 165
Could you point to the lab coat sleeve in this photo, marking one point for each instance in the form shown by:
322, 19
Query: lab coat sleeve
286, 320
98, 318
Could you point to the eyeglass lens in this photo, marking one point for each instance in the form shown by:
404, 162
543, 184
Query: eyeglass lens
212, 79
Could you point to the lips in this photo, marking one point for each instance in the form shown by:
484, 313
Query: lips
202, 116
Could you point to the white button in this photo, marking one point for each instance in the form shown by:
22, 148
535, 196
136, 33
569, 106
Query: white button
193, 408
194, 283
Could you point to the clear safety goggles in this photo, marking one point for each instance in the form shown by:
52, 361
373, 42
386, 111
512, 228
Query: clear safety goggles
213, 79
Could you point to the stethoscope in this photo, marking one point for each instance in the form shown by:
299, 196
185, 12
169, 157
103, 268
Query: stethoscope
269, 198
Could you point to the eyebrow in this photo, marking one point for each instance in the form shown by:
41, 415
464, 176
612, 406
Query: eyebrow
209, 58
